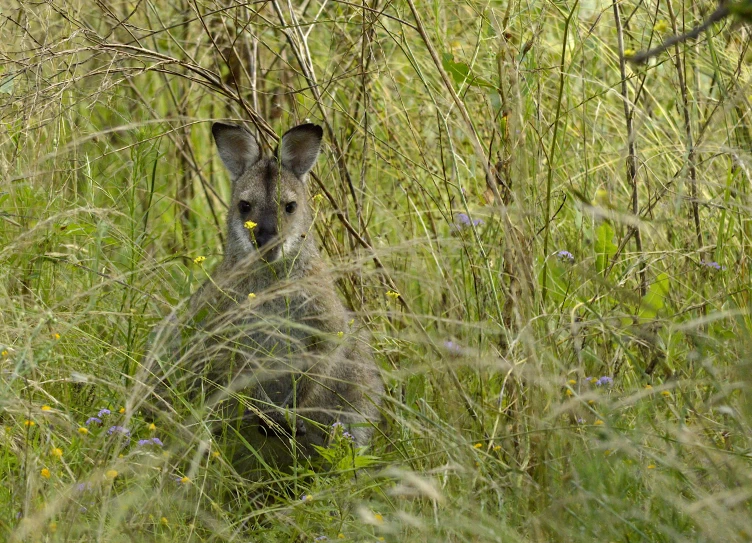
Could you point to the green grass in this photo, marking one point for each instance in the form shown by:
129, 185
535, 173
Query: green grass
110, 187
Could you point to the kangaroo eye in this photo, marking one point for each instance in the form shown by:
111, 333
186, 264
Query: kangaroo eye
244, 207
291, 207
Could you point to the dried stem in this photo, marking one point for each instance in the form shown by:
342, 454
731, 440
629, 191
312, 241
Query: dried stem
691, 167
552, 152
631, 145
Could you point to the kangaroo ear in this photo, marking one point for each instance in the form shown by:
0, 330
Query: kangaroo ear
237, 148
299, 148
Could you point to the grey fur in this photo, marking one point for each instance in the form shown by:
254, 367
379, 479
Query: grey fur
291, 350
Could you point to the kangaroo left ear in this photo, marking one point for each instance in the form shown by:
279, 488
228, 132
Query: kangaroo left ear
299, 148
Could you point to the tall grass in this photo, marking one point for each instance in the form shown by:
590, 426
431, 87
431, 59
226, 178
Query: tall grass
569, 235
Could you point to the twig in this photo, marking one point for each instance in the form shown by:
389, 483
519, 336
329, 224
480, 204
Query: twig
719, 14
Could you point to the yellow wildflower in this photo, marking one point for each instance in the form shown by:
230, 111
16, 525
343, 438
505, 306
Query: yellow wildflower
152, 427
185, 480
591, 402
478, 446
199, 259
660, 26
568, 392
29, 423
340, 334
318, 198
215, 454
251, 295
666, 393
602, 198
121, 410
46, 408
599, 422
392, 294
45, 473
572, 382
56, 336
629, 53
4, 353
651, 466
378, 518
648, 387
164, 521
83, 431
52, 527
111, 474
340, 536
250, 225
57, 452
497, 448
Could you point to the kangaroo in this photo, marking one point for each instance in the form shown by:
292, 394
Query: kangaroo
268, 329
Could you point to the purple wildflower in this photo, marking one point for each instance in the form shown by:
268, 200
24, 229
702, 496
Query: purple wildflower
348, 436
463, 220
337, 424
83, 487
104, 412
321, 538
93, 420
715, 265
565, 255
157, 441
605, 380
119, 430
152, 441
19, 515
452, 347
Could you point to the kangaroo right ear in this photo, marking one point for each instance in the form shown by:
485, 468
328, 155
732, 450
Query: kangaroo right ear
237, 148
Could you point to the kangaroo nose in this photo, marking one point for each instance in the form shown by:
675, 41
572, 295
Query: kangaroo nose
264, 236
265, 232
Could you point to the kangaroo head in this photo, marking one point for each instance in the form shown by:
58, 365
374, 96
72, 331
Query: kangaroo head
269, 209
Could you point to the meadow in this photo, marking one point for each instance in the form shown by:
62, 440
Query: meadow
549, 244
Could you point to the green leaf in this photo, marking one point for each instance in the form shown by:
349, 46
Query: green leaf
6, 85
460, 72
655, 298
605, 248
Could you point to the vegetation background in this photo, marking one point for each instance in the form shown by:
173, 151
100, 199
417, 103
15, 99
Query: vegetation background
568, 358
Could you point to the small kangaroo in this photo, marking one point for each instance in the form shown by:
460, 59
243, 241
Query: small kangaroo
268, 328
